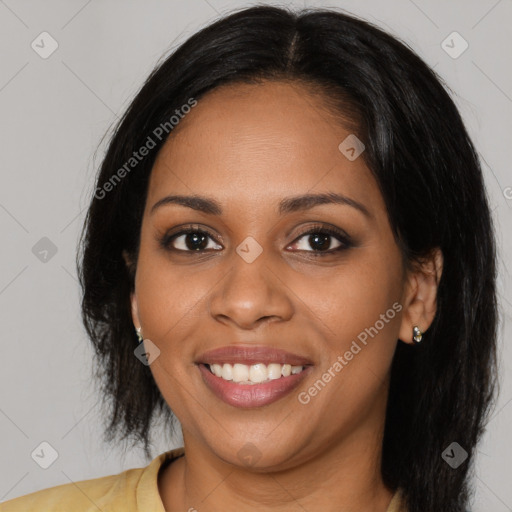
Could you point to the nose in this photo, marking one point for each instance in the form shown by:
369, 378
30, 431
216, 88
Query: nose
251, 294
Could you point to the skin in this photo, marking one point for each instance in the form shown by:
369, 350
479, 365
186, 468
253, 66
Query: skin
248, 147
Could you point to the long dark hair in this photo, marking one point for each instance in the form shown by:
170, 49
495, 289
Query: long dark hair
429, 175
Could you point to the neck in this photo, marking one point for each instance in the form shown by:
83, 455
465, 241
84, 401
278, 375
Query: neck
345, 476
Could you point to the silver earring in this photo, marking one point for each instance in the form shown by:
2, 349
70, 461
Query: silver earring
139, 335
416, 334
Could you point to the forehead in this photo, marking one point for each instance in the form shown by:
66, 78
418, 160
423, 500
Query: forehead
256, 143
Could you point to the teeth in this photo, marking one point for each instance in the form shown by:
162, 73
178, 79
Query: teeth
274, 371
227, 372
258, 373
240, 372
216, 369
254, 374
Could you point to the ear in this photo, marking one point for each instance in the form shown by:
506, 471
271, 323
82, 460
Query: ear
420, 295
133, 298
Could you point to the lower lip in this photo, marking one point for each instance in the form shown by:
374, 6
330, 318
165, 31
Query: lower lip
251, 395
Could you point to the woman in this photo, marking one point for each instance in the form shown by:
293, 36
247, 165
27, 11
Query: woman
290, 250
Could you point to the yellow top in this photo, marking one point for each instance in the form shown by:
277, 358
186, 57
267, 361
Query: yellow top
133, 490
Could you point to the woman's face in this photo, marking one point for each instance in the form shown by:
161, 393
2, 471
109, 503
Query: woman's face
258, 281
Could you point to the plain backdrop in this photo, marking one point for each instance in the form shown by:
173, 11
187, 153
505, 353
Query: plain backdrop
54, 112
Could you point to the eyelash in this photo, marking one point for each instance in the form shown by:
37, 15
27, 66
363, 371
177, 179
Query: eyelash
344, 239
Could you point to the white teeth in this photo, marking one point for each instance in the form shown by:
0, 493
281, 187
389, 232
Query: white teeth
254, 374
274, 371
258, 373
240, 372
227, 372
217, 369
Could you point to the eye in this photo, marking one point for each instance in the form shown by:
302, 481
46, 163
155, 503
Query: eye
320, 239
193, 239
190, 239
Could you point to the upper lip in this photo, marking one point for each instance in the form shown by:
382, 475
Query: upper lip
250, 355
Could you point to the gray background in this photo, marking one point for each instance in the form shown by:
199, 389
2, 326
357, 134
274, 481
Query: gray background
54, 112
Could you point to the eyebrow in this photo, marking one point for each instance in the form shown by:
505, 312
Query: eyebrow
287, 205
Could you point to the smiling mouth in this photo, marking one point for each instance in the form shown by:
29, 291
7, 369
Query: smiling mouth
250, 376
253, 374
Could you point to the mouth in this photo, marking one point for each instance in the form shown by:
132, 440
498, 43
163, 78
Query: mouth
250, 376
253, 374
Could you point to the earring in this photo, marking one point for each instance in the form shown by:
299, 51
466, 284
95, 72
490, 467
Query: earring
416, 334
139, 335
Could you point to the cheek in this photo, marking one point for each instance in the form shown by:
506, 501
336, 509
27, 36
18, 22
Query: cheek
169, 300
351, 297
169, 304
358, 314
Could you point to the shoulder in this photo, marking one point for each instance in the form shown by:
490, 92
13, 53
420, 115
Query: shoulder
397, 502
84, 496
130, 491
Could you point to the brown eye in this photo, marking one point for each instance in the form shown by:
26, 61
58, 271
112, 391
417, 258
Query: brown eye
188, 240
319, 242
320, 239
